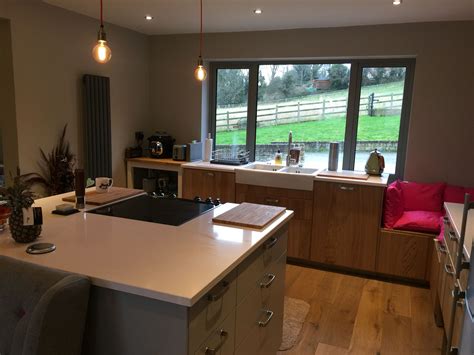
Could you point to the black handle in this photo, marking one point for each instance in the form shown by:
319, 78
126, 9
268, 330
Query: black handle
215, 296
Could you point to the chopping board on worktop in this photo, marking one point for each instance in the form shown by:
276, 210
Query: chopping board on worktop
250, 215
114, 194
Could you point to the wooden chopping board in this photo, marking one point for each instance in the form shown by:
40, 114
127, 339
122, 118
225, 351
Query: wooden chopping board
345, 174
114, 194
250, 215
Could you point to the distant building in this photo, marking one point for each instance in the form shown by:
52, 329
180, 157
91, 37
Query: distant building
322, 84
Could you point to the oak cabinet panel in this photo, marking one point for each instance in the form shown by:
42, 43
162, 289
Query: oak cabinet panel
299, 201
404, 254
209, 183
346, 224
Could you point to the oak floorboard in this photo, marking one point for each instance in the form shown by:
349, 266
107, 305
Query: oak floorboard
354, 315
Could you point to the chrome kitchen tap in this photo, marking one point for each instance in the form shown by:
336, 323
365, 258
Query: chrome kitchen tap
290, 141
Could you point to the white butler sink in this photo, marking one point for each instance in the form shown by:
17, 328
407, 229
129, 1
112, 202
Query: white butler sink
279, 176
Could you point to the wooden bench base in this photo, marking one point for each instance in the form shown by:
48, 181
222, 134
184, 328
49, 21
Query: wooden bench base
405, 254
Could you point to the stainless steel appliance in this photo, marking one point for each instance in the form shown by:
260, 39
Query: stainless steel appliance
194, 151
179, 152
160, 145
375, 164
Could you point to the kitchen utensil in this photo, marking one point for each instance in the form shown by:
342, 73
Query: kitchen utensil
333, 156
250, 215
115, 193
375, 164
103, 184
179, 152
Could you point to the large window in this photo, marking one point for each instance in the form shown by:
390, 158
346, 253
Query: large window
362, 104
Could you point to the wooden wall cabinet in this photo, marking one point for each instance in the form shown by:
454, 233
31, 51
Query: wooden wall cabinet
346, 224
209, 183
300, 201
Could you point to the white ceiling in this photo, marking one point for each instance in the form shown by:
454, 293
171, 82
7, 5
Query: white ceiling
182, 16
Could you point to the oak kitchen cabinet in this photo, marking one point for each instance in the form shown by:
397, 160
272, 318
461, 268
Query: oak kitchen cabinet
208, 183
346, 224
300, 201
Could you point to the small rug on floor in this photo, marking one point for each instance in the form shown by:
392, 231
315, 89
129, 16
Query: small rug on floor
293, 319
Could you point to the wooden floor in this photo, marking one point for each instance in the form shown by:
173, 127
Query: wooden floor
354, 315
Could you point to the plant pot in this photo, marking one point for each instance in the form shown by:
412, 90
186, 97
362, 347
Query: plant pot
21, 233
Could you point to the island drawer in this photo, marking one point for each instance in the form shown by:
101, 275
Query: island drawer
221, 339
252, 270
211, 310
450, 239
262, 303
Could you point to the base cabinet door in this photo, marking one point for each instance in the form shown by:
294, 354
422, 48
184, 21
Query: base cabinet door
346, 224
207, 183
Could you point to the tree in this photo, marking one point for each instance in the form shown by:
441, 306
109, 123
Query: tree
262, 86
232, 87
338, 74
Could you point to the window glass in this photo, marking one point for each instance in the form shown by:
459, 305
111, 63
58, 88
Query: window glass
380, 108
231, 109
308, 99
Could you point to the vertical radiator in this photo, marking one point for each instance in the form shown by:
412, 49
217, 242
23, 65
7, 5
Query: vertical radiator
97, 128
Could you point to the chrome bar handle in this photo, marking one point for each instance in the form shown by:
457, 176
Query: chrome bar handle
212, 351
214, 297
452, 236
442, 248
272, 201
269, 315
270, 243
449, 269
271, 278
347, 188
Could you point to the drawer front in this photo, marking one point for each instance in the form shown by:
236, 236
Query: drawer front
221, 339
448, 270
450, 238
440, 247
265, 301
458, 322
251, 271
434, 275
211, 310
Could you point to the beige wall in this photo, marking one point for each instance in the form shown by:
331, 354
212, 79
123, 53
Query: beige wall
8, 131
51, 52
440, 143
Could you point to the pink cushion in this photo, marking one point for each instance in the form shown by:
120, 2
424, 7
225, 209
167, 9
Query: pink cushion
422, 197
393, 207
420, 221
454, 194
440, 236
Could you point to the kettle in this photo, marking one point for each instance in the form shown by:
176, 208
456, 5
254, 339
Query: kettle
375, 164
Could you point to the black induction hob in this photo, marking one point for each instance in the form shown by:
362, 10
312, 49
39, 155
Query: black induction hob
172, 211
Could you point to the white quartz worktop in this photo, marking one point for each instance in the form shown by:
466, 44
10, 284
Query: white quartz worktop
209, 166
168, 263
454, 211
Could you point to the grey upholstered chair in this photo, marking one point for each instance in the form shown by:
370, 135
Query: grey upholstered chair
42, 311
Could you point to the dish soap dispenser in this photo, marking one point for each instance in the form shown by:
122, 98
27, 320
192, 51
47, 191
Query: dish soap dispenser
278, 158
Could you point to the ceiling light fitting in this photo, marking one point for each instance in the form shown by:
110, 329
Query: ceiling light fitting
257, 11
397, 2
200, 72
148, 17
101, 52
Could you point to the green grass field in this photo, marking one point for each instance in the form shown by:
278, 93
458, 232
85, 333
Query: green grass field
384, 128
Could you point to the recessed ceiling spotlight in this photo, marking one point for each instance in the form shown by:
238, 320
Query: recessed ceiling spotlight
397, 2
148, 17
257, 11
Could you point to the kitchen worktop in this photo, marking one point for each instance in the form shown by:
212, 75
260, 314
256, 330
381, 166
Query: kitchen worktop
454, 211
156, 161
379, 181
172, 264
209, 166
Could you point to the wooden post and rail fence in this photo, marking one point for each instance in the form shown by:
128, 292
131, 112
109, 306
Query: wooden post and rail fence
231, 119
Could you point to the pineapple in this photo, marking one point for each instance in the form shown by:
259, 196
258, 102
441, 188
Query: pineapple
19, 196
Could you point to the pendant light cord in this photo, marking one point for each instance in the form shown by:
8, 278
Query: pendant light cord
200, 35
101, 15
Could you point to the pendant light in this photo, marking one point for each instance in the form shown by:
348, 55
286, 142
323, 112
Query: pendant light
101, 52
200, 73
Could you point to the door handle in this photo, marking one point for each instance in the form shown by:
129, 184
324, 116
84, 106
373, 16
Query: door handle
271, 278
270, 243
448, 268
212, 297
212, 351
346, 188
269, 315
272, 201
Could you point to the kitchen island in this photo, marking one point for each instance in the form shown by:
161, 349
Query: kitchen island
159, 289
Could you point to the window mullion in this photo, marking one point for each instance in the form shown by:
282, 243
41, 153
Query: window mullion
252, 110
350, 137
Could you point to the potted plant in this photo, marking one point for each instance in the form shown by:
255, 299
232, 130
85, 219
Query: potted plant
19, 196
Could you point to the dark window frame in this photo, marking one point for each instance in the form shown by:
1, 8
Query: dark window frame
354, 91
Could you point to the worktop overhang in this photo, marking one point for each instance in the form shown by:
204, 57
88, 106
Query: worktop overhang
172, 264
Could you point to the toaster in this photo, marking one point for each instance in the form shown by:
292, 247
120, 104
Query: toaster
179, 152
